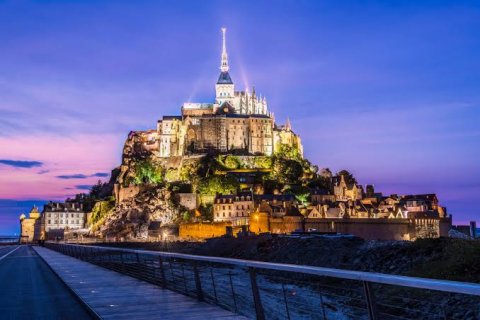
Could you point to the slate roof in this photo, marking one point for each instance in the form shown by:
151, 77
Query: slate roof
224, 78
293, 212
172, 117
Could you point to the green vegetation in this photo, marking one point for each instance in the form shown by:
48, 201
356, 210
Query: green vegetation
100, 211
349, 178
300, 192
206, 212
146, 172
287, 152
172, 175
287, 170
263, 162
218, 185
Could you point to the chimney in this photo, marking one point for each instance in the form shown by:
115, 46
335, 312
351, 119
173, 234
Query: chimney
473, 229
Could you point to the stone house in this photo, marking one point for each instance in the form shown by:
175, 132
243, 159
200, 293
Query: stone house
64, 215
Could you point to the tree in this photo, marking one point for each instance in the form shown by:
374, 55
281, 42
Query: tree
146, 172
218, 185
349, 178
287, 170
286, 151
301, 193
232, 162
263, 162
206, 212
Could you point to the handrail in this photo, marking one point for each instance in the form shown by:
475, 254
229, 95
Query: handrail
374, 277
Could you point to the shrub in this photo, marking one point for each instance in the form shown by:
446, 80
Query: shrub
146, 172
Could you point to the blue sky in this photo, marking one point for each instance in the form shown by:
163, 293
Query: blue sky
386, 89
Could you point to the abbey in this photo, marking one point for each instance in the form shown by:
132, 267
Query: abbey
237, 121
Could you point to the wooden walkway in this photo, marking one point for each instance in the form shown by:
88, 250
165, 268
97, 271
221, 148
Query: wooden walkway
112, 295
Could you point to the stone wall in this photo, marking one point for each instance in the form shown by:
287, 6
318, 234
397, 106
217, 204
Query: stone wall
260, 223
205, 230
122, 194
188, 200
369, 229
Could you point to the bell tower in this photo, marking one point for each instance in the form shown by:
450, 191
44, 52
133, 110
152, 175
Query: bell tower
224, 89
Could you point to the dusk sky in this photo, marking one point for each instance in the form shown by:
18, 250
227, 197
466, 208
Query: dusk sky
389, 90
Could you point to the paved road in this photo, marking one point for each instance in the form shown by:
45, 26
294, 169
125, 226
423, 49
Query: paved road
30, 290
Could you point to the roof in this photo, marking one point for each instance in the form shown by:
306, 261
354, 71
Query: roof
278, 197
423, 214
172, 117
428, 196
63, 206
224, 78
34, 210
320, 192
293, 212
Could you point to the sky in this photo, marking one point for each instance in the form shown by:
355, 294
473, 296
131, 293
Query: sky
389, 90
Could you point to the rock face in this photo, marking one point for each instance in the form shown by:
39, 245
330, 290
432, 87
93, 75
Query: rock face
137, 205
131, 217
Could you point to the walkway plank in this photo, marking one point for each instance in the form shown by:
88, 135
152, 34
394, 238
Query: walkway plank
115, 296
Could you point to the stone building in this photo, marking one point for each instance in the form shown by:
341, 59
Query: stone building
31, 227
63, 215
237, 121
263, 220
233, 208
344, 191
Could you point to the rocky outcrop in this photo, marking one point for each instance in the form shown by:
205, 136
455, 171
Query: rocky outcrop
131, 217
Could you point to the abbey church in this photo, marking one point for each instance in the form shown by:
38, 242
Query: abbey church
237, 121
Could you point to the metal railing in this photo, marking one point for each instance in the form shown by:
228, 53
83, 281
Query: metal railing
266, 290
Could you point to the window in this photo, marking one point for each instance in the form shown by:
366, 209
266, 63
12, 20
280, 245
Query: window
49, 222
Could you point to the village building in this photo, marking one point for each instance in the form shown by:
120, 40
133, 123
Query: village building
233, 208
63, 215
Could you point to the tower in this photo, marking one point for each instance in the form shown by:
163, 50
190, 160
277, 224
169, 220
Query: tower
224, 88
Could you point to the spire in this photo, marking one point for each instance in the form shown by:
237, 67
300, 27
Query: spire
224, 64
288, 126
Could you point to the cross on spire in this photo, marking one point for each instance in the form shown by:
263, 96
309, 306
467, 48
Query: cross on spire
224, 64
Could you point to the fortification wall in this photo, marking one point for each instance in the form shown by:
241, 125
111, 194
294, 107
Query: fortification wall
369, 229
205, 230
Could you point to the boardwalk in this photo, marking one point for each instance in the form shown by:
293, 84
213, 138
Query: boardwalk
30, 290
115, 296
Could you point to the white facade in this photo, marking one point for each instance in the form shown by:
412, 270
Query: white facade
63, 216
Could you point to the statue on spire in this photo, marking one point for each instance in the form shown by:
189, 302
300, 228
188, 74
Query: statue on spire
288, 126
224, 64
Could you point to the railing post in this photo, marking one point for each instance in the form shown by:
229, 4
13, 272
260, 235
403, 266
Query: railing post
198, 283
286, 301
256, 295
213, 285
162, 272
370, 298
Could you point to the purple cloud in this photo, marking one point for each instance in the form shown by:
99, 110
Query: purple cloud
73, 176
21, 163
83, 187
83, 176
